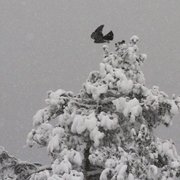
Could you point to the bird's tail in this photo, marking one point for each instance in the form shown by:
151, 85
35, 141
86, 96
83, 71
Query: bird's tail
109, 36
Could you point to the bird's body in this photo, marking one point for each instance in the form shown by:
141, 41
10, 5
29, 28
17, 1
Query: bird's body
98, 36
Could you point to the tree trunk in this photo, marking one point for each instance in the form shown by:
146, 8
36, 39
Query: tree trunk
86, 163
89, 172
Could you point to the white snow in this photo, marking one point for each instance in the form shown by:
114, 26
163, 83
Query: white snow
54, 97
104, 174
78, 125
134, 39
122, 172
131, 107
125, 85
81, 123
174, 108
167, 148
110, 163
62, 167
38, 118
95, 90
108, 122
96, 136
75, 157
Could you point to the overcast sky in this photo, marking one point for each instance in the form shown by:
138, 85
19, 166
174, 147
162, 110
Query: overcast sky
45, 44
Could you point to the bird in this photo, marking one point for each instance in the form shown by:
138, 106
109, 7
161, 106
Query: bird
98, 36
122, 42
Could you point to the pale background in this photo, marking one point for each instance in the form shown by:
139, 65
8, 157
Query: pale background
45, 44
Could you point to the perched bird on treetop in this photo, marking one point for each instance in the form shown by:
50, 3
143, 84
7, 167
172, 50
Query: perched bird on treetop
98, 36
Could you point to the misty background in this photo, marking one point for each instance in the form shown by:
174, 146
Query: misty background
45, 45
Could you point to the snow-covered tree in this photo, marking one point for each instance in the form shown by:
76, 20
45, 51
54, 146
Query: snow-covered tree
106, 131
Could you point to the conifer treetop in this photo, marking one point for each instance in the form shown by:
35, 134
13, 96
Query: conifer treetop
106, 131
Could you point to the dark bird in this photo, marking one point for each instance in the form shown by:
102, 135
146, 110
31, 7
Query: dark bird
122, 42
98, 36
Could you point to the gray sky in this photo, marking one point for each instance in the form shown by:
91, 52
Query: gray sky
45, 44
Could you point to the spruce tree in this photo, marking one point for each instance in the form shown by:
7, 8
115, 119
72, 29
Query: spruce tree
106, 131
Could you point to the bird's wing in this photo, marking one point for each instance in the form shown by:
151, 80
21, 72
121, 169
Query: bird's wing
109, 36
100, 28
98, 32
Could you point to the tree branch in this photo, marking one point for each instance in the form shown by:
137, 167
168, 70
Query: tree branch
94, 172
43, 168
